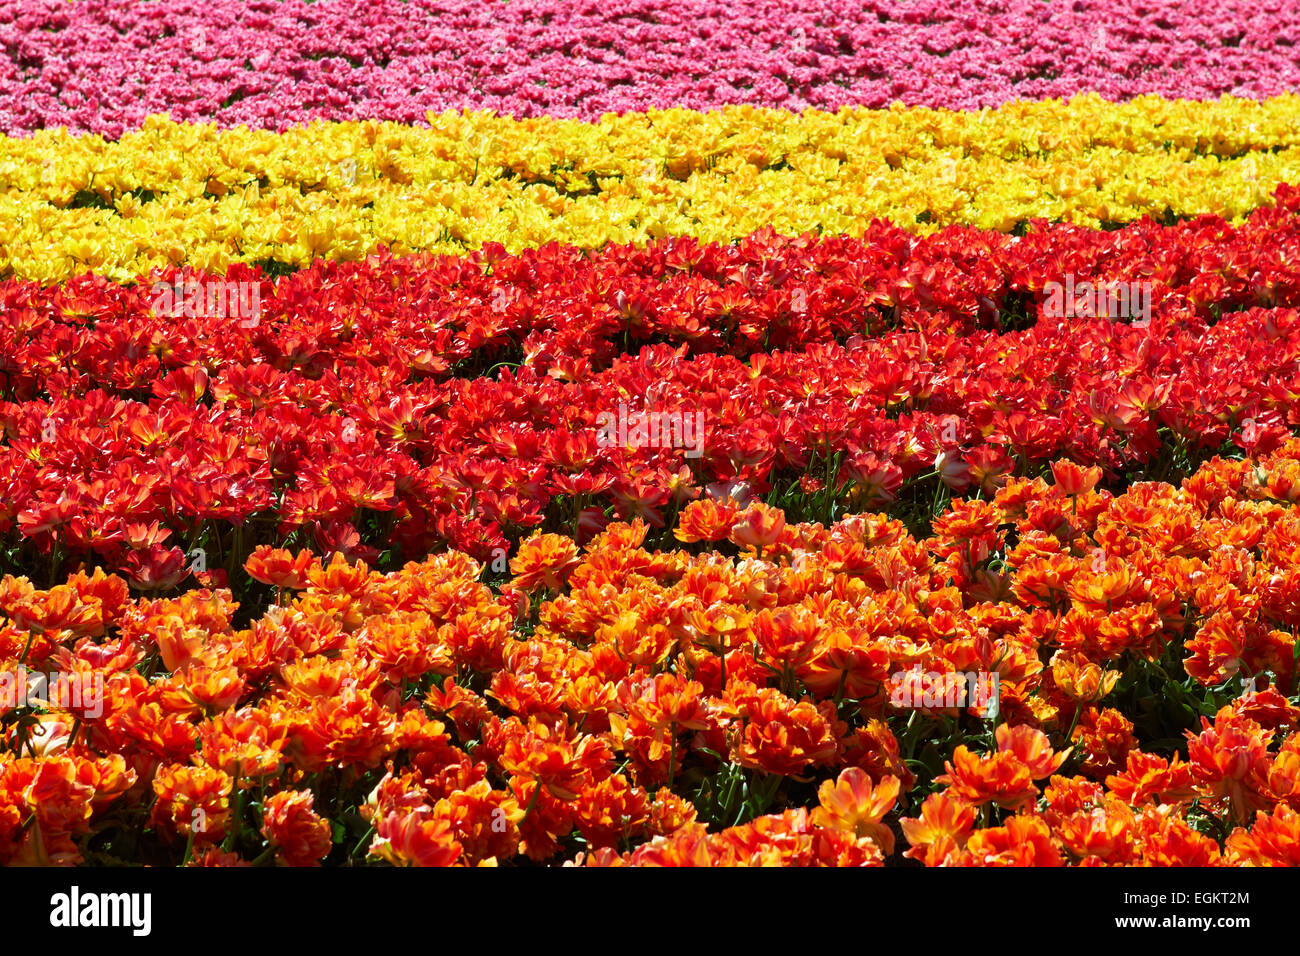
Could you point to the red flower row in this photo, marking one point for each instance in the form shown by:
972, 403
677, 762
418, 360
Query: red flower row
163, 434
566, 311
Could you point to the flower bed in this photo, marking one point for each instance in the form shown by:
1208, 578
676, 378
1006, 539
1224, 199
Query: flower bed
103, 66
194, 194
398, 405
679, 707
644, 434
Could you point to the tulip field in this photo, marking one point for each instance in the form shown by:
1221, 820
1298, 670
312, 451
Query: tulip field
647, 433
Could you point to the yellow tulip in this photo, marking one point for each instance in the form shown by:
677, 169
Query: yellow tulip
173, 192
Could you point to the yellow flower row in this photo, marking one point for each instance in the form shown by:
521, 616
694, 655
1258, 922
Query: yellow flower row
173, 193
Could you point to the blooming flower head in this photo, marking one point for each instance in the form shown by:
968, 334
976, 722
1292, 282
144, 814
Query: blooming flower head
543, 560
291, 825
854, 804
281, 568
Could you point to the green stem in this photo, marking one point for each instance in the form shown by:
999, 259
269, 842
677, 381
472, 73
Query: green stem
672, 754
364, 837
532, 801
1069, 734
237, 824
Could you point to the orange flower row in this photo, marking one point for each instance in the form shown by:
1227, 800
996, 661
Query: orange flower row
615, 705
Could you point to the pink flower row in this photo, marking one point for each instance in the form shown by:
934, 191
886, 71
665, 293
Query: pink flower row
104, 65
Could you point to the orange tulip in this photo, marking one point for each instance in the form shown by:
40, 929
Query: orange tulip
281, 568
942, 828
852, 803
544, 560
300, 837
758, 526
416, 837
